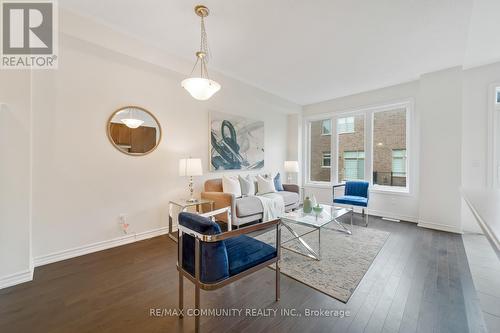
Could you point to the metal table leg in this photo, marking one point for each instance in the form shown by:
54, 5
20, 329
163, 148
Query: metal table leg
312, 254
343, 228
173, 235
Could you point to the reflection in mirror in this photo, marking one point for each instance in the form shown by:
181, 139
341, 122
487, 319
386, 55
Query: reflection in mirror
134, 130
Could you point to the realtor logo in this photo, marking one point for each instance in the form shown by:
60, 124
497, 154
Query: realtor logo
29, 38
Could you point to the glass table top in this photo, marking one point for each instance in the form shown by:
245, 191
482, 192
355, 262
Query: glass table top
328, 214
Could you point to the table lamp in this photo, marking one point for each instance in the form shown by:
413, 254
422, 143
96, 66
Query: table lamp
291, 167
189, 167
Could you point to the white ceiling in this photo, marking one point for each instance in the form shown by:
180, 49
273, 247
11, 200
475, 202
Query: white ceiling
310, 51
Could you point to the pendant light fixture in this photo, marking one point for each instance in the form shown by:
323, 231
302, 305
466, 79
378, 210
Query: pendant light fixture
201, 87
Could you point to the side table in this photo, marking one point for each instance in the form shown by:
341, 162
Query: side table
183, 205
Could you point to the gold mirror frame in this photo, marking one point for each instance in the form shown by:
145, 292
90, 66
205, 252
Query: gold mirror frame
108, 130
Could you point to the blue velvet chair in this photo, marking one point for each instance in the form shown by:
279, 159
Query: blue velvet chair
355, 195
212, 259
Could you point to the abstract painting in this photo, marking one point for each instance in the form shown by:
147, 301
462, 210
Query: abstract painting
236, 143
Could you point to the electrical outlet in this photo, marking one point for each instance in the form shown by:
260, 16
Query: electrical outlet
123, 223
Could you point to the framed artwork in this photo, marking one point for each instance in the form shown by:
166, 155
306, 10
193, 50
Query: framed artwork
236, 143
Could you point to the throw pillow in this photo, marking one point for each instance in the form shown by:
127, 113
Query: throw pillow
231, 185
277, 183
265, 185
247, 185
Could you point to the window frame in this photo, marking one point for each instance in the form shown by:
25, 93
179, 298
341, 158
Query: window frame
346, 123
307, 151
404, 158
322, 127
323, 160
357, 159
368, 112
385, 188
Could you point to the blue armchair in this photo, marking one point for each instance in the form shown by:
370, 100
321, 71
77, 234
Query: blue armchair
355, 194
211, 259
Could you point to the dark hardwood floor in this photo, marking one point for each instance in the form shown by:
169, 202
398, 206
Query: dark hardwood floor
419, 282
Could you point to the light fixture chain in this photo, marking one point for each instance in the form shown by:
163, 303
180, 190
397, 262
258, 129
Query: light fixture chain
204, 41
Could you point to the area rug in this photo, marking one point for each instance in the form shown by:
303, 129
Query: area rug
344, 258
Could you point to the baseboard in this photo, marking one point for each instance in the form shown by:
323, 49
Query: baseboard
438, 226
99, 246
390, 215
16, 278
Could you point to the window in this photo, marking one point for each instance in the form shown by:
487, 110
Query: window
326, 161
399, 162
319, 145
369, 144
354, 165
389, 148
345, 125
498, 96
326, 127
349, 144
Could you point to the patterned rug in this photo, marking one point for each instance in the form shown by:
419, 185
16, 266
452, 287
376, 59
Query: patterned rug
344, 258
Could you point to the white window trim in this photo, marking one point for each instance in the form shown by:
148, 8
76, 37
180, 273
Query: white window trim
323, 160
493, 160
368, 111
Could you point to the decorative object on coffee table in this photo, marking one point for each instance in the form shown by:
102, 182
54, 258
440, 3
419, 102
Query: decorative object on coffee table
307, 206
317, 209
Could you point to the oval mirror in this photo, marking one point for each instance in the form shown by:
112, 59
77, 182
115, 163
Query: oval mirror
134, 130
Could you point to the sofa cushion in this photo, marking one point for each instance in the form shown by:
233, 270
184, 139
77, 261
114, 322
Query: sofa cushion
245, 252
290, 198
265, 185
231, 184
248, 206
277, 183
247, 185
352, 200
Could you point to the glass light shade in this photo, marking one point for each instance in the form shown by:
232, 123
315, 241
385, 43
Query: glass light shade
200, 88
291, 166
190, 167
132, 123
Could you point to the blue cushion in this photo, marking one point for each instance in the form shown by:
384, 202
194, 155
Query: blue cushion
245, 252
356, 188
352, 200
277, 183
214, 260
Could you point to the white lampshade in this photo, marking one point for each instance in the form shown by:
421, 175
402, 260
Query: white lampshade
132, 123
200, 88
190, 167
291, 166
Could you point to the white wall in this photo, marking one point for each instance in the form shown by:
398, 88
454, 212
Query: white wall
440, 109
294, 144
15, 177
400, 206
81, 182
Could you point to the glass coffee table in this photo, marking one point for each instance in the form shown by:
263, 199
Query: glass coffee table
316, 221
